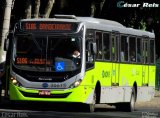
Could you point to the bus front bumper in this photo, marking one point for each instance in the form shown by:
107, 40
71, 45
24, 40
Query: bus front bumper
80, 94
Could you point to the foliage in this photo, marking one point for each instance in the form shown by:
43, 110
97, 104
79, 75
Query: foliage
140, 18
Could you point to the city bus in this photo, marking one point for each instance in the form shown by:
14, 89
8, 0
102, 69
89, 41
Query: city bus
115, 65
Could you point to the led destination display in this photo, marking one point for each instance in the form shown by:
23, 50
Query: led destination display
36, 61
38, 26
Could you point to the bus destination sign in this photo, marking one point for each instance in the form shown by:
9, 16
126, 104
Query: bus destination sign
36, 61
49, 26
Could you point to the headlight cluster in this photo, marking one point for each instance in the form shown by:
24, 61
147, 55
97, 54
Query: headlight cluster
76, 83
15, 82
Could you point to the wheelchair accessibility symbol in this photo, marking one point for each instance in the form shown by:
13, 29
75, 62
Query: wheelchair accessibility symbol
59, 66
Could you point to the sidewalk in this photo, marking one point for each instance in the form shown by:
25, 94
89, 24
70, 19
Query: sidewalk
154, 103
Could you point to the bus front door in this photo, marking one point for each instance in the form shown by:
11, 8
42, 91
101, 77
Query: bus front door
115, 65
145, 59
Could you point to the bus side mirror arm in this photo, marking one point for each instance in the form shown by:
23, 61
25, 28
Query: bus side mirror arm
6, 44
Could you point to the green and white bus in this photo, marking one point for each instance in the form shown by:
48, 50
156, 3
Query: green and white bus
116, 65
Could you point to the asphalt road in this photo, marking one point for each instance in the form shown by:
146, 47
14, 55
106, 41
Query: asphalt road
51, 110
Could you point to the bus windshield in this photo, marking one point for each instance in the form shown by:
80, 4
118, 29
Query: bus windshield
47, 53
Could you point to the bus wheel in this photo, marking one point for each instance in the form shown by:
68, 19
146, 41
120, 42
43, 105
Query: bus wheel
131, 105
91, 107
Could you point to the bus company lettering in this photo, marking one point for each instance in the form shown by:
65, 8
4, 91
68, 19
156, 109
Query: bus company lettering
105, 74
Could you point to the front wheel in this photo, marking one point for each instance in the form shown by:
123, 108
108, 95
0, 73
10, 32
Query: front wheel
91, 107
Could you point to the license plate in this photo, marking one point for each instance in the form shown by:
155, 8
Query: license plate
44, 92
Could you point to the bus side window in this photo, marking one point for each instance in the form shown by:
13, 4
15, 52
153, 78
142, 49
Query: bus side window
124, 49
139, 54
113, 48
106, 46
99, 45
152, 51
132, 49
145, 50
89, 57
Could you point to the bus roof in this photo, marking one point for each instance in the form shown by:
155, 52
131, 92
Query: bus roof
112, 26
50, 19
99, 21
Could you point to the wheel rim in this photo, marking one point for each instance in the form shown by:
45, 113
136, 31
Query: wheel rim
132, 103
94, 98
92, 105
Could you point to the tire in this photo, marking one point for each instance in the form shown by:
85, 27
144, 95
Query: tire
130, 107
91, 107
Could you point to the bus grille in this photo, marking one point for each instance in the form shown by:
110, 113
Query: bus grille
36, 95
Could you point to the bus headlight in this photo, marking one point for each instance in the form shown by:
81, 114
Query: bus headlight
14, 81
76, 83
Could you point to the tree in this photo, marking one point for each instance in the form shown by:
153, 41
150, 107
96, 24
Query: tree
48, 8
30, 5
28, 9
5, 28
36, 10
129, 17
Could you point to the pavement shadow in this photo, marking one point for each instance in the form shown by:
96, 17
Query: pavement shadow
48, 106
